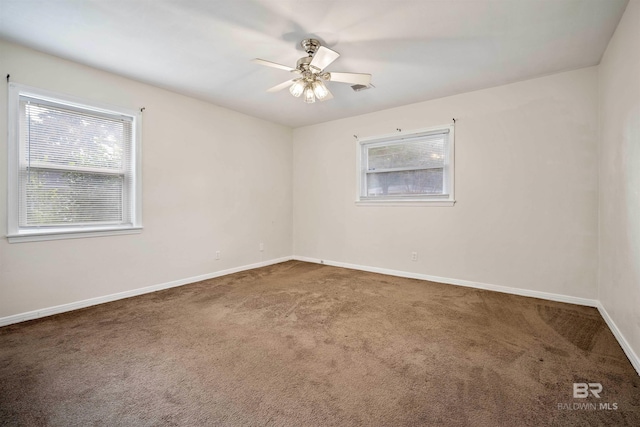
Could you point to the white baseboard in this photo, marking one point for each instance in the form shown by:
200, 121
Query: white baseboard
459, 282
633, 357
16, 318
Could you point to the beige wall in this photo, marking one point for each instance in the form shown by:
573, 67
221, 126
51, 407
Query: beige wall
526, 189
213, 180
619, 260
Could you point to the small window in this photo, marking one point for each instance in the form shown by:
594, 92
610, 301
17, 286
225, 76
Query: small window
74, 167
415, 167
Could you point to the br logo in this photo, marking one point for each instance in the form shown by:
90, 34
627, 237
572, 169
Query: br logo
581, 390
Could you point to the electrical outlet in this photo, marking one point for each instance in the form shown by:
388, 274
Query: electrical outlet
217, 254
414, 256
261, 247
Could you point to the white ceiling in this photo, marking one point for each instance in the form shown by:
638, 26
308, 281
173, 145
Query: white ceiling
415, 50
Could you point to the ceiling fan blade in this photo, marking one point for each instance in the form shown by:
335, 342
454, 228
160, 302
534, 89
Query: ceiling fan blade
281, 86
351, 78
272, 64
328, 97
323, 57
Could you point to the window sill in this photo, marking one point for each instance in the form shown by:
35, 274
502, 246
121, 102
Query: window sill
415, 202
71, 233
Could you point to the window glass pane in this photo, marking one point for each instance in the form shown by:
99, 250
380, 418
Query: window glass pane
75, 164
425, 153
56, 136
67, 197
406, 183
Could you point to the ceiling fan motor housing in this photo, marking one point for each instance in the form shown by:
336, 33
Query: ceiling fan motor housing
309, 73
303, 63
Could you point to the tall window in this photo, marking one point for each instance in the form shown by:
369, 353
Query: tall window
74, 167
408, 167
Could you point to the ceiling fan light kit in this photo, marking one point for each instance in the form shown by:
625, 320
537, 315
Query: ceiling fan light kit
319, 89
309, 97
297, 88
310, 85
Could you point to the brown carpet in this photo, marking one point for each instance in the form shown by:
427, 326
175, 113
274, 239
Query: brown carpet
303, 344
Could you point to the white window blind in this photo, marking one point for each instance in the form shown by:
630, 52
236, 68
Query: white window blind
76, 168
414, 166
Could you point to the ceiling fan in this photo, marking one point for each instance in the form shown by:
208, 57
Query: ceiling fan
310, 83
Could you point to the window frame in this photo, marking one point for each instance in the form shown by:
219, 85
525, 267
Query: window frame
15, 233
362, 146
